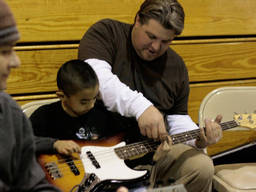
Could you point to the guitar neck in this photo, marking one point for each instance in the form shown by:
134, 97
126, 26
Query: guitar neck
146, 146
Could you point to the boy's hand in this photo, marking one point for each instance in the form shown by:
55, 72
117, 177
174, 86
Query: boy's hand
66, 147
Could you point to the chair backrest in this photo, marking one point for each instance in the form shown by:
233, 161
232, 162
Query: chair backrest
30, 107
227, 101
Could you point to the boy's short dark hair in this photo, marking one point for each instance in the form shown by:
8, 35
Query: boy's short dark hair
76, 75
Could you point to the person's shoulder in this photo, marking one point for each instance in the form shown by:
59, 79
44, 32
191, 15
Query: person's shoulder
110, 24
108, 21
51, 106
48, 109
172, 53
6, 100
175, 57
9, 109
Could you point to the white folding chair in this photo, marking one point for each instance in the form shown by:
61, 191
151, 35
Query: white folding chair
227, 101
30, 107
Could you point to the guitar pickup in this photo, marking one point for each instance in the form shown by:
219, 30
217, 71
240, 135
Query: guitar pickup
53, 170
93, 159
72, 166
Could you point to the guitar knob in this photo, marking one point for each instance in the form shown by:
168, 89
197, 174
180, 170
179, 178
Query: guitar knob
92, 176
90, 180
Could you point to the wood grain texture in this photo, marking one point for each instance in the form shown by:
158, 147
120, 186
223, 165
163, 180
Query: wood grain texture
231, 140
39, 69
62, 20
206, 62
219, 17
218, 61
21, 100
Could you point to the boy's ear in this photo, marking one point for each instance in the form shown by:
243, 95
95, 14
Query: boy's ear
60, 94
137, 20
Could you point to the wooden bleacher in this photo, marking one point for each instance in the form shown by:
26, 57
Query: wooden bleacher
218, 44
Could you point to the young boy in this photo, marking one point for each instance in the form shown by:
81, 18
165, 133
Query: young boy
75, 116
19, 170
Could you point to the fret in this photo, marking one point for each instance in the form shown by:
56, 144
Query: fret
185, 136
229, 125
136, 149
140, 148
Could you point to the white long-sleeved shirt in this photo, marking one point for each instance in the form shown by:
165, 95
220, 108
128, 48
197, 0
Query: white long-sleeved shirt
118, 97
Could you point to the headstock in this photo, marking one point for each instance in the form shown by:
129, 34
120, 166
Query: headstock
247, 120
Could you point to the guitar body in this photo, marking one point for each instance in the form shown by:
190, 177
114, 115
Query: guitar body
98, 167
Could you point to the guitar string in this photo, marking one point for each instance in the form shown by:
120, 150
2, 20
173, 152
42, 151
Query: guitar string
103, 153
103, 156
180, 137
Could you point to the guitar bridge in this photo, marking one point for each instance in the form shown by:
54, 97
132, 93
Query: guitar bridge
72, 166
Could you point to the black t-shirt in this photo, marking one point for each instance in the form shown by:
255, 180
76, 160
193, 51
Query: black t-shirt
51, 122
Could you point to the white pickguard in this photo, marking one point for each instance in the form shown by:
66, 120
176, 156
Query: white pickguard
111, 166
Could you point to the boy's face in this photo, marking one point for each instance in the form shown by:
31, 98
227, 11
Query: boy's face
81, 102
8, 60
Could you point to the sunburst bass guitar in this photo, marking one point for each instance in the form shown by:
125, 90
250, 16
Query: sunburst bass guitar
101, 164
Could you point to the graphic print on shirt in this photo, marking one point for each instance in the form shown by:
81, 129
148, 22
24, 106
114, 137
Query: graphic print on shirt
83, 133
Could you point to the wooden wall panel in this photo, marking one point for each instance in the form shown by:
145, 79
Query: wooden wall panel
213, 61
205, 62
219, 17
61, 20
39, 68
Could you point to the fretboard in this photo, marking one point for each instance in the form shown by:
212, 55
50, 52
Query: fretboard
146, 146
